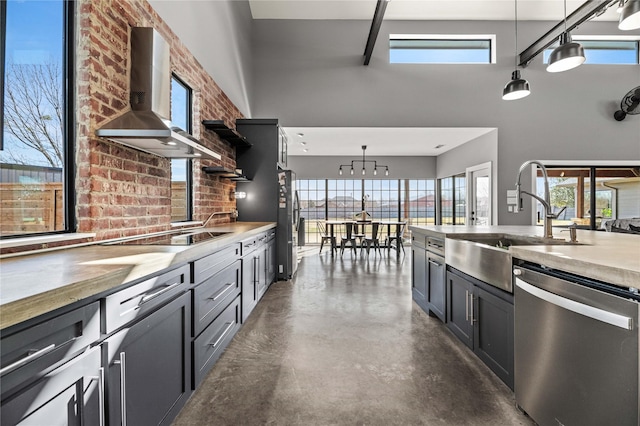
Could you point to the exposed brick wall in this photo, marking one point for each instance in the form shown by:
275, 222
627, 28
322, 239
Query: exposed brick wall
122, 191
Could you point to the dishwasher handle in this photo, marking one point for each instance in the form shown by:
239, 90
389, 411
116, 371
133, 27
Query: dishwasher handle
577, 307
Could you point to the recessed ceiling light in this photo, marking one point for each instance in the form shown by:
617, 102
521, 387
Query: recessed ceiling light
439, 146
301, 134
305, 150
303, 143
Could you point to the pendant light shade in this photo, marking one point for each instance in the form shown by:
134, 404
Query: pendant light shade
517, 88
566, 56
630, 16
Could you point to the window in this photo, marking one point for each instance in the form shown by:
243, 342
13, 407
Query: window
453, 200
611, 192
36, 48
441, 49
181, 175
383, 199
605, 50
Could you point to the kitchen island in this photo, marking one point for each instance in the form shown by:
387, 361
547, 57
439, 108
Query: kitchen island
548, 317
605, 256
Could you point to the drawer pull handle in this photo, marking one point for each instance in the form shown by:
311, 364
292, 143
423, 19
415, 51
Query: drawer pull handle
32, 356
466, 305
147, 297
434, 263
229, 286
100, 379
223, 335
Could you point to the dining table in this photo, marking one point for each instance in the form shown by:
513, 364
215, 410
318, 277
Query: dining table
332, 223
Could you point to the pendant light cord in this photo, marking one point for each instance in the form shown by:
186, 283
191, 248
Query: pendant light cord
565, 16
516, 24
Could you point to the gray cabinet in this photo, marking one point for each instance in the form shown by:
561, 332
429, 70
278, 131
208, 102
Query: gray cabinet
436, 289
428, 275
149, 366
210, 344
214, 294
71, 394
436, 277
482, 317
271, 257
48, 371
255, 269
216, 307
419, 271
459, 307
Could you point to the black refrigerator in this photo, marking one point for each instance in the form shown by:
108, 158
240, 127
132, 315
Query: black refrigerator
270, 191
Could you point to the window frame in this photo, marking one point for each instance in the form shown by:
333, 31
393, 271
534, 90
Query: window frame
593, 167
188, 161
68, 91
491, 38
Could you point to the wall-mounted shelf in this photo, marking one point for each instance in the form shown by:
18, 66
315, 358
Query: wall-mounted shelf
226, 133
234, 175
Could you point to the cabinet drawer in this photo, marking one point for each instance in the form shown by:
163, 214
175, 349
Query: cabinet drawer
208, 347
250, 244
435, 245
212, 296
212, 264
31, 351
70, 394
139, 299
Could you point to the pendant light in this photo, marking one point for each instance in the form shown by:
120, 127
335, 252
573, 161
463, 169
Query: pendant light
630, 16
569, 54
364, 162
518, 87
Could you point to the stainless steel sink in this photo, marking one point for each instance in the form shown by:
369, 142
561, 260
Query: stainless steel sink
487, 258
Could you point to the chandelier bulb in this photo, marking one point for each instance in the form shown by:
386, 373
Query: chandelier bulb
351, 171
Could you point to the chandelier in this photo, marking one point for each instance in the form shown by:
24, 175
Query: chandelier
364, 163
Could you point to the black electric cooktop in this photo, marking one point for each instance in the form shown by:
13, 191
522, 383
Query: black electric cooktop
178, 238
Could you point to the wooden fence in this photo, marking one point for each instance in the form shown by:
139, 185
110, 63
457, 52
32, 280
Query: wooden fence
31, 208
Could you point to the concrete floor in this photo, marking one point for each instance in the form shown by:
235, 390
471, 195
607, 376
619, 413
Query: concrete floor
343, 344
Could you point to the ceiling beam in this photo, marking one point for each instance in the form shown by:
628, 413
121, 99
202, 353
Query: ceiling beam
375, 28
580, 15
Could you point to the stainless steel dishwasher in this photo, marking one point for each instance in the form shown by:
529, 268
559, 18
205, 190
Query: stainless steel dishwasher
576, 349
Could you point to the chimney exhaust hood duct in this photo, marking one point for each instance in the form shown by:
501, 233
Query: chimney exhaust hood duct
146, 126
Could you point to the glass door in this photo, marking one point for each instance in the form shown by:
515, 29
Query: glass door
479, 194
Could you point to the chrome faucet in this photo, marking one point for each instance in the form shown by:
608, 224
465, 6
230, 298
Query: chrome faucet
548, 215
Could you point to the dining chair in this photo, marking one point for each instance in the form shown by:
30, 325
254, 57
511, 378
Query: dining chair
373, 239
397, 238
326, 236
359, 234
348, 238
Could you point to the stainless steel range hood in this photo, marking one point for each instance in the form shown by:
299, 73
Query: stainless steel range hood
146, 126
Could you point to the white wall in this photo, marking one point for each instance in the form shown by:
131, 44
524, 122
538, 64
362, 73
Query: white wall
218, 34
326, 167
310, 73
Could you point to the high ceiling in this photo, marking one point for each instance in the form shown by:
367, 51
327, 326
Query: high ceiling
459, 10
401, 141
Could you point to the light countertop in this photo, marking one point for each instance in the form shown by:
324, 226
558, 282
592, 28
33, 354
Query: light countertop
610, 257
31, 285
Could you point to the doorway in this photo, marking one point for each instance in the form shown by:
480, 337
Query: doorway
480, 194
